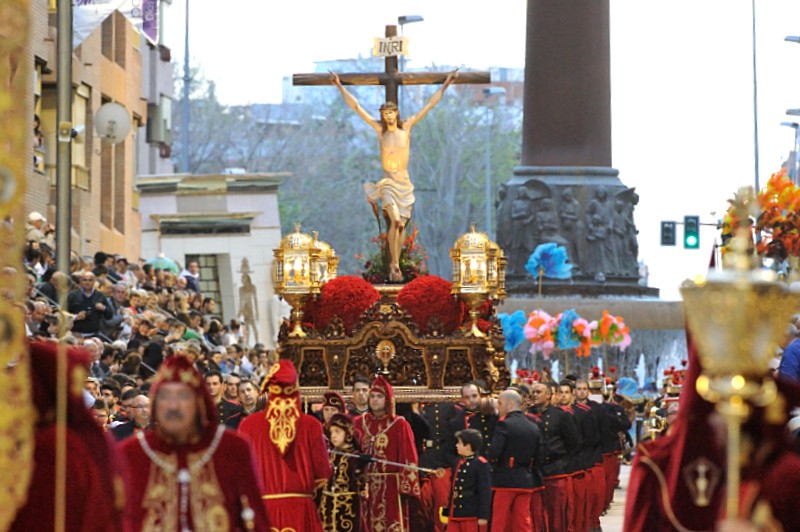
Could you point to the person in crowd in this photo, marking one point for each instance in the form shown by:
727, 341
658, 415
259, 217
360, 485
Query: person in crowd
472, 413
36, 322
229, 411
596, 473
790, 360
359, 398
109, 392
340, 498
387, 437
48, 288
189, 473
34, 230
192, 276
290, 453
122, 269
515, 455
140, 419
92, 385
100, 412
587, 456
231, 334
248, 397
232, 387
93, 493
88, 305
562, 443
470, 504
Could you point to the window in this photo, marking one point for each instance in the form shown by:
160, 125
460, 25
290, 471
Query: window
209, 278
81, 107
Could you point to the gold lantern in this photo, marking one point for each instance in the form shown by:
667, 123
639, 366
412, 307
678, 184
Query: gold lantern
302, 265
328, 262
737, 318
478, 273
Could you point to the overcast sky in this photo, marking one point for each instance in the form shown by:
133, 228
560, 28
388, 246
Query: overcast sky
681, 71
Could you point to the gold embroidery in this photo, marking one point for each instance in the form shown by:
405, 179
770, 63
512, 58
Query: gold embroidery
701, 476
79, 375
277, 389
160, 501
206, 498
282, 415
337, 509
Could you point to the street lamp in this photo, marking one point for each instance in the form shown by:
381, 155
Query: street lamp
488, 93
795, 172
402, 21
408, 19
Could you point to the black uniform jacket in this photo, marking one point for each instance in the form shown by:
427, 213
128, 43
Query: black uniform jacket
515, 452
471, 495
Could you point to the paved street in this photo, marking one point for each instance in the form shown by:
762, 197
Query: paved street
612, 521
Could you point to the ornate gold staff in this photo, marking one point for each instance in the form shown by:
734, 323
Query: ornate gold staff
737, 317
17, 414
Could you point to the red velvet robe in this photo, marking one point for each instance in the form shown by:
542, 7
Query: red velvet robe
217, 491
388, 438
289, 480
90, 499
667, 473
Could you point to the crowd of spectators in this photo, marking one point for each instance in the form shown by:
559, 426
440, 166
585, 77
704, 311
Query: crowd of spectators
131, 316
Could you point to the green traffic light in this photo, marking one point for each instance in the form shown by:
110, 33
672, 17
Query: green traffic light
691, 232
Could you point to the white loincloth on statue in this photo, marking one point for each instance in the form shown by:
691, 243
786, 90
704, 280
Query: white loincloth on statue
395, 192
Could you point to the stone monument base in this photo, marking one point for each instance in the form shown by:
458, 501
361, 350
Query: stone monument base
585, 209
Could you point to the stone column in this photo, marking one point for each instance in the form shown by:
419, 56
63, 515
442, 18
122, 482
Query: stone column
565, 191
567, 109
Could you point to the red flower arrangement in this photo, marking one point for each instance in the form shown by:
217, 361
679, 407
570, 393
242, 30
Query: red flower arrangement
347, 297
428, 296
412, 259
528, 376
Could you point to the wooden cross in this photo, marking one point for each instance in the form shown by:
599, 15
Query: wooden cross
391, 77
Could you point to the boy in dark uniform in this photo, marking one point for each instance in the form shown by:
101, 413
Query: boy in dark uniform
471, 499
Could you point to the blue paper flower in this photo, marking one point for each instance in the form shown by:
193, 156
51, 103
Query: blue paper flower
513, 328
629, 388
551, 259
566, 337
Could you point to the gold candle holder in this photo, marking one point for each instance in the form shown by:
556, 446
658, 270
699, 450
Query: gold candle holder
737, 319
302, 265
478, 274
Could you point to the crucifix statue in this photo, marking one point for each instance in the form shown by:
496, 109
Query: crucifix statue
395, 190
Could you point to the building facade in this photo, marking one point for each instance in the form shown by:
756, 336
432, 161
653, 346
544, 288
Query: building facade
230, 224
115, 63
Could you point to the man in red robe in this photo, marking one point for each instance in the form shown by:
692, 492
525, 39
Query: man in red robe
189, 473
92, 489
290, 451
678, 481
387, 436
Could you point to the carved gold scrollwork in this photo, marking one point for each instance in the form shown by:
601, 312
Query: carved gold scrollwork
16, 155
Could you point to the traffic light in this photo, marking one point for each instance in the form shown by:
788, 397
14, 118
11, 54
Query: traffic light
667, 233
691, 232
